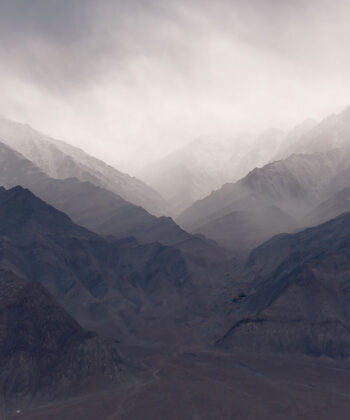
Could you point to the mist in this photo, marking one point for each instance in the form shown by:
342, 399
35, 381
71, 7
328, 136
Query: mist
132, 81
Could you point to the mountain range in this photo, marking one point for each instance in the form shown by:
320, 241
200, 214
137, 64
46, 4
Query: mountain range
246, 293
204, 165
99, 209
282, 196
299, 295
96, 280
60, 160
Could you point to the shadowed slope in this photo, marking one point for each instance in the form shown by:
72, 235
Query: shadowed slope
61, 160
44, 353
300, 297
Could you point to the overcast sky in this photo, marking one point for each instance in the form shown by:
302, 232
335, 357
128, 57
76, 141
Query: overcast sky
132, 80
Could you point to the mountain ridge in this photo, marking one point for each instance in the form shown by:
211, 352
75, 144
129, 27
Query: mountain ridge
299, 294
61, 160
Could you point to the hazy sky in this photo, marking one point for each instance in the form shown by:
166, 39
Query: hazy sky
132, 80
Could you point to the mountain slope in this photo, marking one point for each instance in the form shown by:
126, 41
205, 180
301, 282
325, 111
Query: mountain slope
204, 165
313, 166
60, 160
300, 296
247, 229
331, 133
44, 353
295, 185
99, 209
119, 286
329, 209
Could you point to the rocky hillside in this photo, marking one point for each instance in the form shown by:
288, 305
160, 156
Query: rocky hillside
114, 285
299, 295
44, 353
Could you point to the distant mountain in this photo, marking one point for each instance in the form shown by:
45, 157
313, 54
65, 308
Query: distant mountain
289, 145
295, 185
114, 285
44, 353
312, 166
329, 209
331, 133
300, 294
99, 209
61, 160
204, 165
247, 229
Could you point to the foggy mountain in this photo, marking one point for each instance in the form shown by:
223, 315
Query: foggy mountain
61, 160
294, 186
331, 133
174, 210
101, 210
147, 282
329, 209
204, 165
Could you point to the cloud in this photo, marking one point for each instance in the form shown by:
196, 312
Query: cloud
132, 80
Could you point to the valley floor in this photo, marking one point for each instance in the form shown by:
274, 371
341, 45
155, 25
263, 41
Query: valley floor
215, 385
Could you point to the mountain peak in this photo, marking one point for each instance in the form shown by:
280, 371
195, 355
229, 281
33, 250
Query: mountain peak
21, 209
60, 160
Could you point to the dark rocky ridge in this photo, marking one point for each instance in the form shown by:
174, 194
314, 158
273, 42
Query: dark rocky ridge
126, 289
101, 210
44, 353
300, 294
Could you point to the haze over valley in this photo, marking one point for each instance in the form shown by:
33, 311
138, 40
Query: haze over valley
174, 210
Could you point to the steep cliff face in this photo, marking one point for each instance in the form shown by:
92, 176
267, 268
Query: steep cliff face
300, 295
44, 353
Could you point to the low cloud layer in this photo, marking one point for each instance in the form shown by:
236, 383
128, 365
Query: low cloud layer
131, 81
